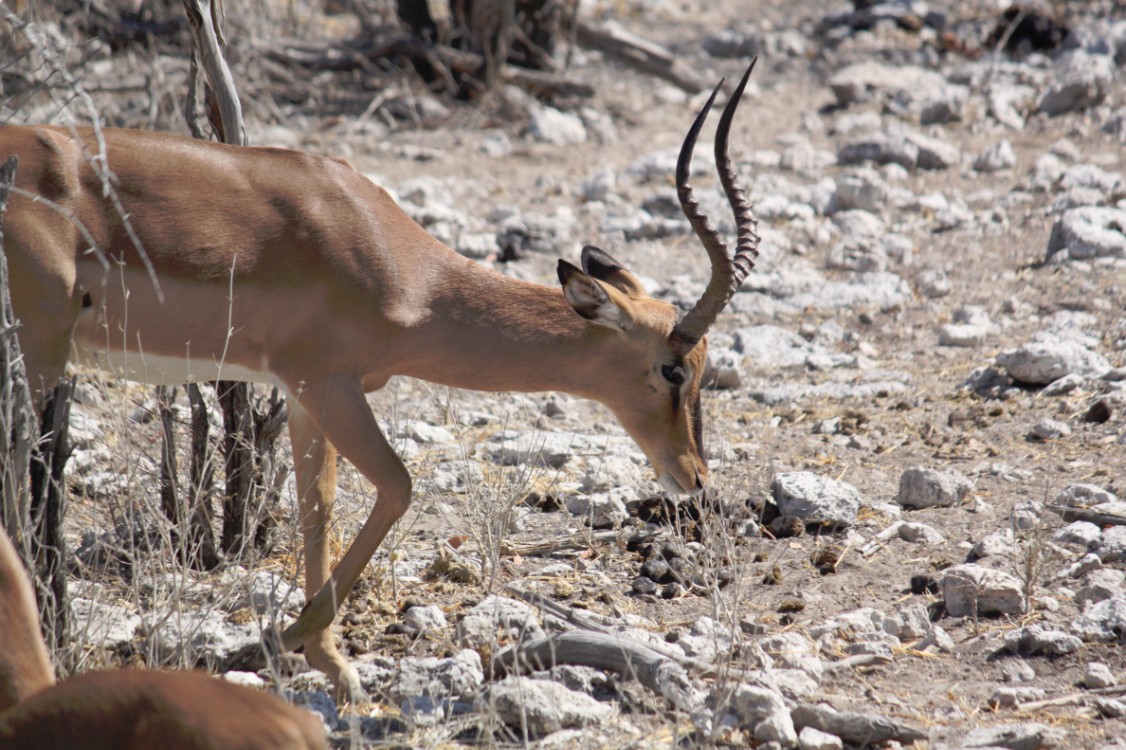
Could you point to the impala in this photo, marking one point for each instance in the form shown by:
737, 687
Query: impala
126, 710
277, 267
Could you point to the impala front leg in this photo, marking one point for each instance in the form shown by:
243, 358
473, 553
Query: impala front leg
338, 411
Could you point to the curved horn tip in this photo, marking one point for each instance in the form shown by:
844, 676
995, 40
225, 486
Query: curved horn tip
703, 114
738, 93
683, 162
750, 68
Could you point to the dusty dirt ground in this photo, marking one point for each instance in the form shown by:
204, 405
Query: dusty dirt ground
933, 422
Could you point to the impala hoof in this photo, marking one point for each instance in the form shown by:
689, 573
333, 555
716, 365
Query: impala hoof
347, 687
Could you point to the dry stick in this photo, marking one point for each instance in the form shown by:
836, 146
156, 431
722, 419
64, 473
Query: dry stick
578, 541
195, 96
851, 662
640, 53
377, 101
854, 728
873, 545
1065, 700
1091, 516
585, 621
539, 80
614, 653
201, 15
541, 56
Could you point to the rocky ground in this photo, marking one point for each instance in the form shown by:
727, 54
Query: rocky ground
915, 419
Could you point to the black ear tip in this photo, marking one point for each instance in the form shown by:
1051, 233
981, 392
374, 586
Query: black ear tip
565, 271
598, 263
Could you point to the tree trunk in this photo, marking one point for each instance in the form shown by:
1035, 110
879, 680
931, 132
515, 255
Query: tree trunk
48, 508
241, 465
191, 514
201, 470
249, 509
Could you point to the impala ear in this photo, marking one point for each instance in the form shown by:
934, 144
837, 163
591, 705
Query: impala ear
604, 268
597, 302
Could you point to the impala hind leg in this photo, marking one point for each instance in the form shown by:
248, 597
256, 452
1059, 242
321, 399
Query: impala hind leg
337, 410
45, 335
314, 460
42, 281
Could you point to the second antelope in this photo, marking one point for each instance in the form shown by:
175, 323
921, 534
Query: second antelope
276, 267
127, 709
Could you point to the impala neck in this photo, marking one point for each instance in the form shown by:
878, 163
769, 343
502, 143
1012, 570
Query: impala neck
489, 332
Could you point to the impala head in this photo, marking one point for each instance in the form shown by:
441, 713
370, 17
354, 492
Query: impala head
653, 384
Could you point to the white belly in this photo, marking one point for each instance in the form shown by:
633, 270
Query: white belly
164, 370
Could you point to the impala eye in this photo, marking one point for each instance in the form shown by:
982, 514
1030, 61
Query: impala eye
674, 374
